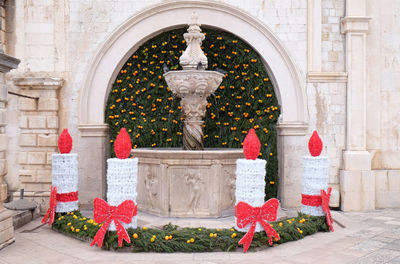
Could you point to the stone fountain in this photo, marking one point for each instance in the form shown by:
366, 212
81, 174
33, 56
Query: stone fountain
192, 182
193, 85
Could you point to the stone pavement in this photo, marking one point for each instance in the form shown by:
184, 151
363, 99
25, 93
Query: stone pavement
372, 237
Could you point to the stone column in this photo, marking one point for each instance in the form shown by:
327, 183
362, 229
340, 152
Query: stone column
291, 148
38, 139
357, 183
7, 63
93, 149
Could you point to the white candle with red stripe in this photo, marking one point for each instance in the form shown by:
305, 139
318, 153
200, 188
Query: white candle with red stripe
315, 177
65, 174
250, 177
122, 176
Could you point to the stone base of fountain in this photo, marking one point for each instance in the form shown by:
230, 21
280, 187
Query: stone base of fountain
178, 183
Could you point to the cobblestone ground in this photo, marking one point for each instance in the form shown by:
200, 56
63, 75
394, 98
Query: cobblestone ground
372, 237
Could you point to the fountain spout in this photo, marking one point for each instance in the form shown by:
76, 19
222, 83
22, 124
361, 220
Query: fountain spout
193, 85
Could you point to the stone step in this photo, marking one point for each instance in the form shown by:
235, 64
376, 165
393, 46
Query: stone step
21, 218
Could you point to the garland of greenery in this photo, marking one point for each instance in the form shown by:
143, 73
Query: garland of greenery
172, 238
141, 101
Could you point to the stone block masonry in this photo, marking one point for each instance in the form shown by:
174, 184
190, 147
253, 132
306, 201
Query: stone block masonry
38, 139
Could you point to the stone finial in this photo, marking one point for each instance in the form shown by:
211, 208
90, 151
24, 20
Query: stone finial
193, 57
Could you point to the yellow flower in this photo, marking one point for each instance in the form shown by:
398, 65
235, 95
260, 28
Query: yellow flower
272, 182
280, 224
60, 218
69, 224
211, 235
166, 237
199, 229
77, 230
188, 241
75, 217
192, 240
135, 236
144, 228
152, 239
300, 231
233, 235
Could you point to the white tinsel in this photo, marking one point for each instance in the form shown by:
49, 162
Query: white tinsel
121, 184
65, 178
315, 178
250, 186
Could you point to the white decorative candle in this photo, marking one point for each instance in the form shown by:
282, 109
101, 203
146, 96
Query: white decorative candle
250, 185
121, 184
65, 178
315, 179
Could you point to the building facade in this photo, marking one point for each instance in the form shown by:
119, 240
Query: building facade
335, 66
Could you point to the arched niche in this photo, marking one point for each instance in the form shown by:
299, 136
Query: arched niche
125, 39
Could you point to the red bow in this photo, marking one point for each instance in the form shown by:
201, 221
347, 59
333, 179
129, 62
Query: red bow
52, 208
320, 200
246, 214
103, 212
57, 197
325, 206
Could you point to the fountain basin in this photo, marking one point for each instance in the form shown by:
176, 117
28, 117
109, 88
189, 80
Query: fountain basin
179, 183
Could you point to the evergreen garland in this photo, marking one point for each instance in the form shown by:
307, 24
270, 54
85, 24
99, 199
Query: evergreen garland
141, 101
172, 238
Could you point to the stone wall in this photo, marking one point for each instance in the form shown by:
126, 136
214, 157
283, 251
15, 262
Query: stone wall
38, 136
59, 39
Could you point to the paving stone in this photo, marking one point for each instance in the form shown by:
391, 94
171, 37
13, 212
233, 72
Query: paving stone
395, 261
369, 245
394, 245
392, 223
379, 256
384, 218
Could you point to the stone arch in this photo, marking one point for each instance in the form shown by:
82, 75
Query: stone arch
104, 67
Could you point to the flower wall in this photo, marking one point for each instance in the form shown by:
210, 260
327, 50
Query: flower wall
141, 101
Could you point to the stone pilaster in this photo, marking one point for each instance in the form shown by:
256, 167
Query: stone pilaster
356, 179
93, 149
38, 121
291, 139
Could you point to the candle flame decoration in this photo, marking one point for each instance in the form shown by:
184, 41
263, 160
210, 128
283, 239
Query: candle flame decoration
315, 144
65, 142
123, 144
251, 145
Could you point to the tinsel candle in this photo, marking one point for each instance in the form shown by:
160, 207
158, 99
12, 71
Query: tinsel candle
250, 174
122, 176
315, 177
65, 175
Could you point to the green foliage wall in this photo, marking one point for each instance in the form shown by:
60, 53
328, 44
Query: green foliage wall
141, 101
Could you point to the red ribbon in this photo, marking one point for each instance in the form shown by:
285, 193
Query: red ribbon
103, 212
246, 214
320, 200
325, 206
57, 197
